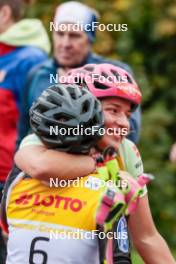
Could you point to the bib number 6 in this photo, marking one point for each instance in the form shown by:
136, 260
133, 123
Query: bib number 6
34, 251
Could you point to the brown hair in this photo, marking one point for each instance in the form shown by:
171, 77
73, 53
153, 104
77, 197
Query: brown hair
17, 6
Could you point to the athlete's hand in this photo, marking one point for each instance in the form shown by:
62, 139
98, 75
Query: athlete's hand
134, 189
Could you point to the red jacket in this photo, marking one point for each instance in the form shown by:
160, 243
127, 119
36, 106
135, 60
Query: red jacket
15, 64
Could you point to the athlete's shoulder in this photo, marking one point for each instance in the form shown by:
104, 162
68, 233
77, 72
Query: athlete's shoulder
130, 146
132, 158
31, 140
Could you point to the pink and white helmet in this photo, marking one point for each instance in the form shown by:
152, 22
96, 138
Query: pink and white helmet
107, 80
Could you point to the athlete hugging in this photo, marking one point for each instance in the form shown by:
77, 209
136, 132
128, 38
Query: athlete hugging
49, 225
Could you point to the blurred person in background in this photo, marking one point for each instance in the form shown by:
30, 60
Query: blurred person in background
71, 49
23, 44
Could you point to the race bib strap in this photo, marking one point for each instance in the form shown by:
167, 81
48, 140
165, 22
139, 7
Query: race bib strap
121, 244
116, 250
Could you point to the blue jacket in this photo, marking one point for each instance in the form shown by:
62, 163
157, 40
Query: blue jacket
39, 80
15, 63
23, 45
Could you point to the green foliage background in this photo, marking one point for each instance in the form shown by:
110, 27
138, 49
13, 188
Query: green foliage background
149, 46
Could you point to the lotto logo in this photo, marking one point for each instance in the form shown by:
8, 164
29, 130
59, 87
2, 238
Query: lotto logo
61, 202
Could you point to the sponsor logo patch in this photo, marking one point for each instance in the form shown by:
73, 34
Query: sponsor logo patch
56, 201
93, 183
123, 244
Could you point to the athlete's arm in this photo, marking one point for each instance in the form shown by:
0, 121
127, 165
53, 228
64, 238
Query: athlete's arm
42, 163
148, 242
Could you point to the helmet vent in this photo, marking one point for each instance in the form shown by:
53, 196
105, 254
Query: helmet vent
104, 74
72, 92
62, 117
116, 74
85, 107
91, 69
73, 95
57, 90
129, 79
54, 101
100, 85
42, 108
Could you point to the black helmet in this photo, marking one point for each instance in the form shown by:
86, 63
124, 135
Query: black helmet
62, 108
